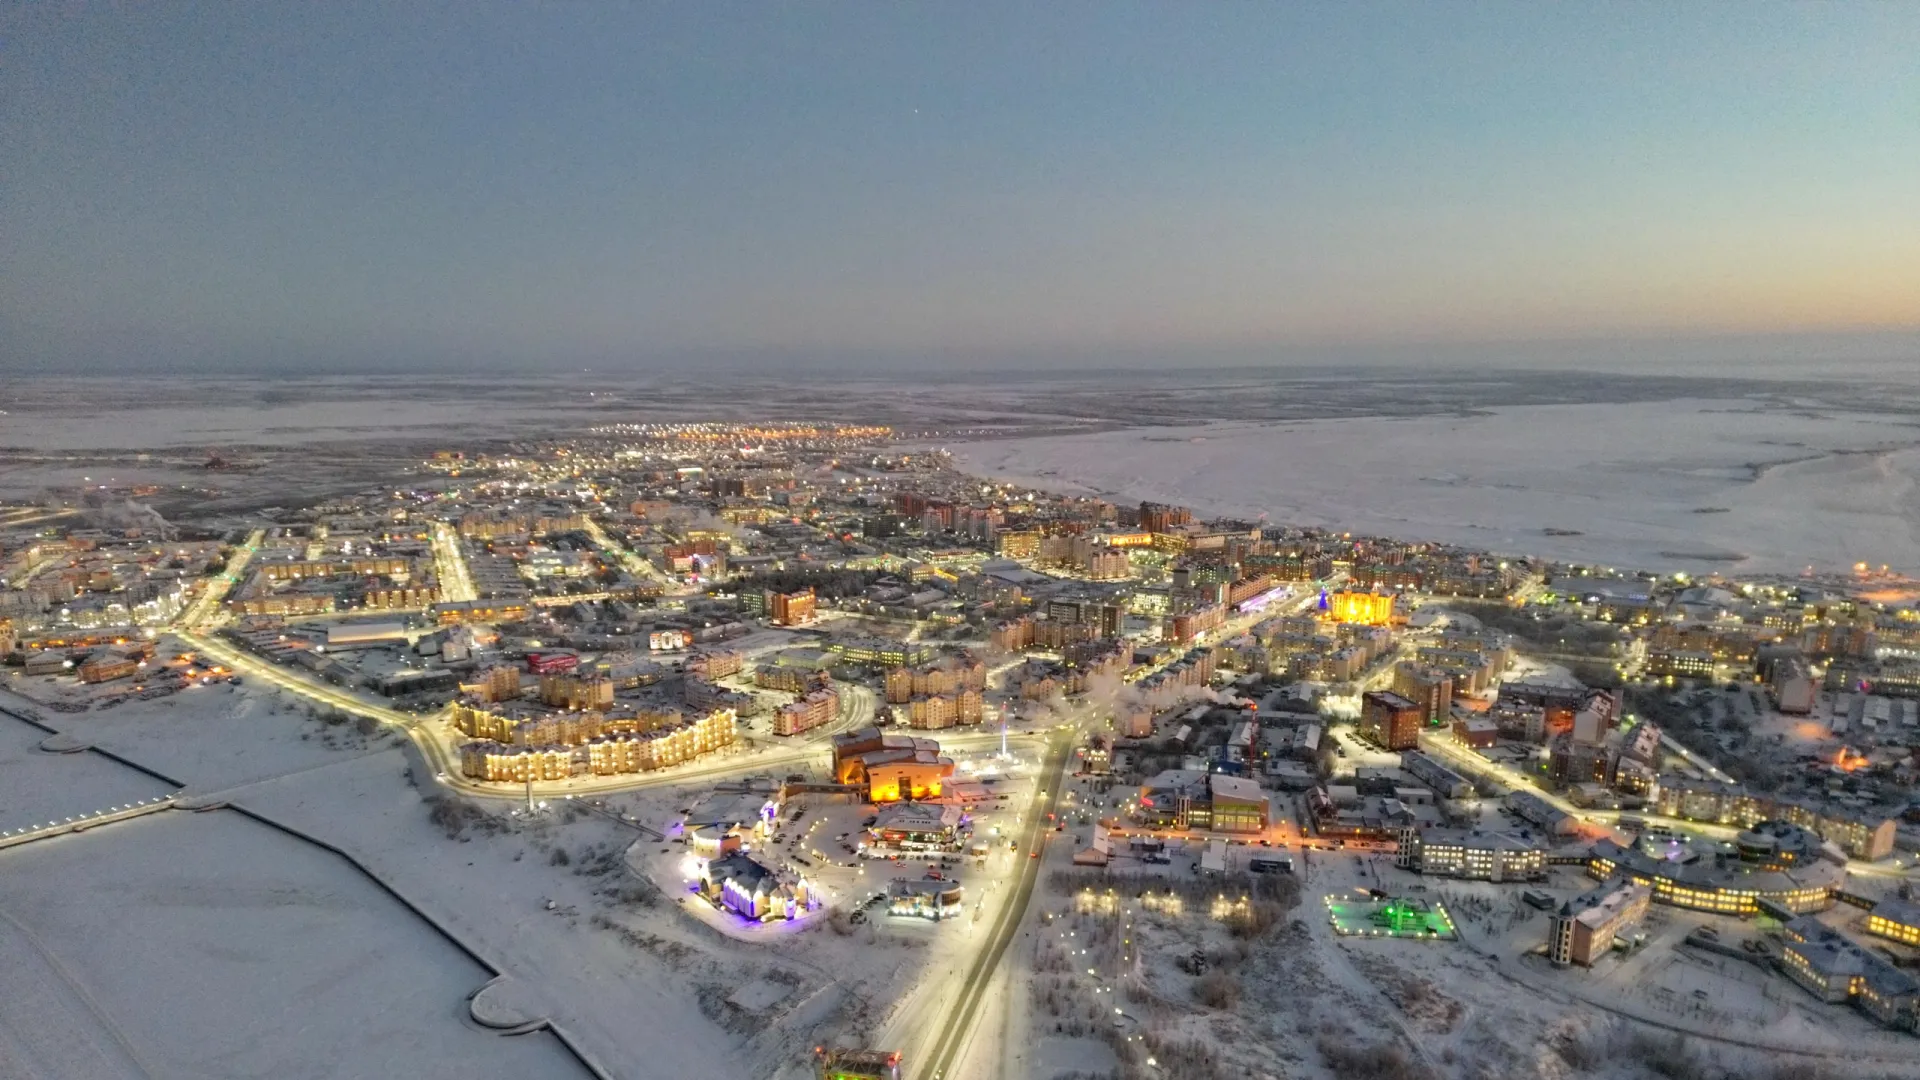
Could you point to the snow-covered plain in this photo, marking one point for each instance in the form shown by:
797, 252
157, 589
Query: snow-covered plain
624, 1005
37, 787
209, 945
219, 737
1691, 485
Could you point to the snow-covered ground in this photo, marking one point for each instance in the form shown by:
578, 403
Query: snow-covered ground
1301, 1002
220, 736
492, 890
37, 787
1671, 485
209, 945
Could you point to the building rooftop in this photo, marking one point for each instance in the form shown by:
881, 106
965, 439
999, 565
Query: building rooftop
1481, 839
1831, 954
1687, 866
918, 817
727, 808
1603, 903
1235, 787
1899, 911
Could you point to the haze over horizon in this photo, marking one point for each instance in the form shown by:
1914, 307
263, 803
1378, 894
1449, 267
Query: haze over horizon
363, 186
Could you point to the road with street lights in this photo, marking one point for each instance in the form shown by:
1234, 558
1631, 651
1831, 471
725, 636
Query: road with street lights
208, 604
957, 1024
450, 565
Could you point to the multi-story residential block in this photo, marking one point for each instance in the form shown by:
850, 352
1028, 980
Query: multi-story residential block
1389, 720
1429, 688
1584, 928
1472, 854
812, 709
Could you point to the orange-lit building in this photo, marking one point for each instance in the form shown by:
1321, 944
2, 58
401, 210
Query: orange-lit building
1370, 609
715, 664
791, 609
485, 611
891, 767
107, 668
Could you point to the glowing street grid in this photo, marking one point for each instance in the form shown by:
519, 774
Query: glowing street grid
1392, 917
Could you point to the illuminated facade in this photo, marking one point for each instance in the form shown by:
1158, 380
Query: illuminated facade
890, 767
1895, 920
1012, 635
1862, 837
514, 764
793, 680
515, 747
570, 691
938, 711
501, 683
480, 611
791, 609
1160, 518
1190, 625
1472, 854
1680, 663
1838, 970
1189, 799
715, 664
1430, 688
882, 652
1368, 609
741, 884
917, 827
107, 668
903, 684
1776, 861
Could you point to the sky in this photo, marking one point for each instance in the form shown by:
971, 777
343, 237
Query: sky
272, 186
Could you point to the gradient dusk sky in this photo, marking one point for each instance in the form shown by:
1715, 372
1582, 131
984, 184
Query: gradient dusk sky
266, 185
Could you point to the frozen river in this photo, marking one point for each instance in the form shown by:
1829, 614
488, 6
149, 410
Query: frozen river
1683, 470
1686, 485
